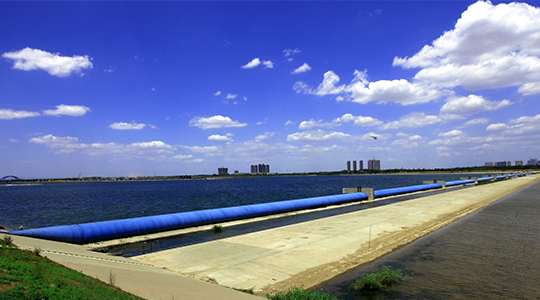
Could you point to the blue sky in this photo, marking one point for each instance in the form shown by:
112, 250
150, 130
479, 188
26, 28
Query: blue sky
143, 88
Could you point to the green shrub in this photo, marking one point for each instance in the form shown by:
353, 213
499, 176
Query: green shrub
8, 241
217, 228
299, 294
376, 281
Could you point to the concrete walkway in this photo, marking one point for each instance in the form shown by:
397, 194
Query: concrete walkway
309, 253
134, 277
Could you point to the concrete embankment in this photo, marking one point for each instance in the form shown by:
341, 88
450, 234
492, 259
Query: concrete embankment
308, 253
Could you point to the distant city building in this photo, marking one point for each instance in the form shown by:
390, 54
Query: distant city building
354, 165
260, 169
509, 163
488, 164
519, 163
500, 164
348, 166
223, 171
374, 164
361, 163
532, 162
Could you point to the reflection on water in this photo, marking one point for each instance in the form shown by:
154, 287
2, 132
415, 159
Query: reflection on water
492, 254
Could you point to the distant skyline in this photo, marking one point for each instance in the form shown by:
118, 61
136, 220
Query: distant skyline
140, 88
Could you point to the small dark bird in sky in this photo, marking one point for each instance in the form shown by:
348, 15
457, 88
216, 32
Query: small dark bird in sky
373, 137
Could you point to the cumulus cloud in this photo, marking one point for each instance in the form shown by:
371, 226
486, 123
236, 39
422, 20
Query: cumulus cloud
256, 62
491, 46
346, 118
413, 120
10, 114
528, 89
302, 69
67, 110
316, 136
231, 96
62, 66
215, 122
127, 126
217, 93
520, 126
149, 150
360, 90
265, 136
471, 104
291, 52
478, 121
220, 138
454, 132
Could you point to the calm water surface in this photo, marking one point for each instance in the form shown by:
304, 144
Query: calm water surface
71, 203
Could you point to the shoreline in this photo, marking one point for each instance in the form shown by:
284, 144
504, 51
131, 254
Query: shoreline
311, 253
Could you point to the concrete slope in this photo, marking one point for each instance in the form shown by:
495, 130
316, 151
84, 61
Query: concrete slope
309, 253
134, 277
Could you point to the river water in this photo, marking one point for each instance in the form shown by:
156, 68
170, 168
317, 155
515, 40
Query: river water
491, 254
54, 204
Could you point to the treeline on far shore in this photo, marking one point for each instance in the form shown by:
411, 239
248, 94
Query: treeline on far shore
481, 169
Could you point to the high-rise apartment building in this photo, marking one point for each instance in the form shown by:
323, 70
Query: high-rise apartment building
354, 165
223, 171
361, 163
348, 166
532, 162
374, 164
518, 163
254, 169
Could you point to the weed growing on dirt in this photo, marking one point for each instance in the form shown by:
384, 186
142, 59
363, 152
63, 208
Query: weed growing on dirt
376, 281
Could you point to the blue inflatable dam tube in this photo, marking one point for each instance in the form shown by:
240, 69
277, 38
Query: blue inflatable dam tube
405, 190
459, 182
115, 229
485, 178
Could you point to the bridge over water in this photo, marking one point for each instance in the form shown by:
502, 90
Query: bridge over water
9, 177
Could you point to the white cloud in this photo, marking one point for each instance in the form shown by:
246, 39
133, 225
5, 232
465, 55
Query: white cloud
454, 132
182, 157
220, 138
148, 150
268, 64
291, 52
358, 120
478, 121
491, 46
67, 110
264, 136
521, 126
127, 126
497, 126
252, 64
231, 96
471, 104
10, 114
413, 120
215, 122
62, 66
302, 69
316, 136
256, 62
346, 118
288, 123
217, 93
362, 91
529, 89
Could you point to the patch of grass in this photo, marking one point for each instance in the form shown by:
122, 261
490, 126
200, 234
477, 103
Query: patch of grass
376, 281
24, 275
217, 229
299, 294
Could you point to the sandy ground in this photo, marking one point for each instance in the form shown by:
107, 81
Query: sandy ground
310, 253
